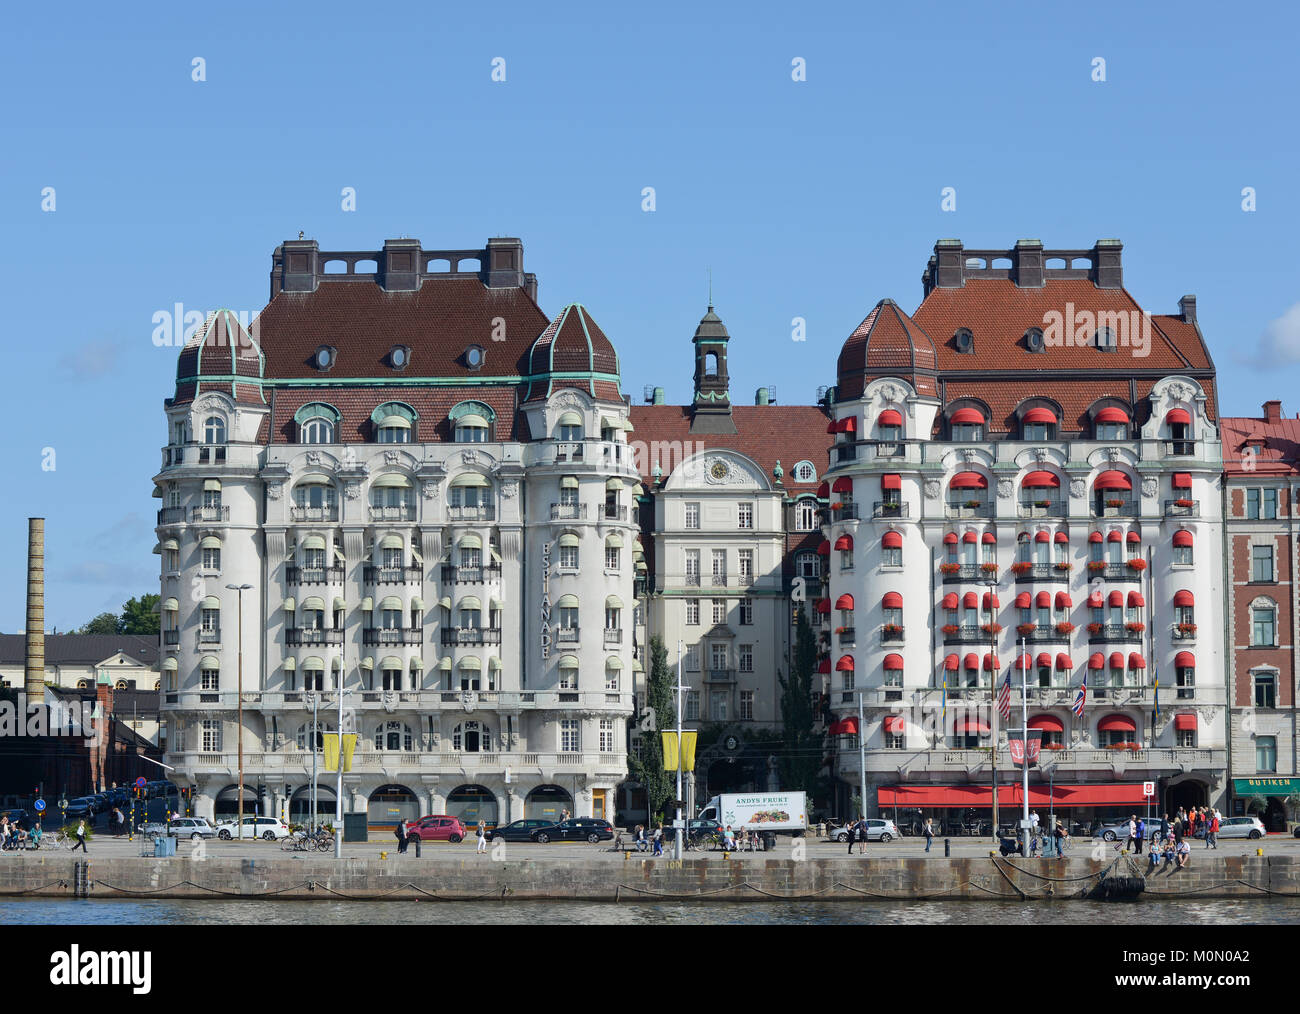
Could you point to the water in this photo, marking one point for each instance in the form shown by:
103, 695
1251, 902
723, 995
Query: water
1215, 911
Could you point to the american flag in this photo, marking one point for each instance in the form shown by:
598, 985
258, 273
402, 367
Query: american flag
1004, 698
1081, 698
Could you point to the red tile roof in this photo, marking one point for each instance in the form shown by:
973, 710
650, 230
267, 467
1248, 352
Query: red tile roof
1275, 447
888, 343
431, 404
572, 342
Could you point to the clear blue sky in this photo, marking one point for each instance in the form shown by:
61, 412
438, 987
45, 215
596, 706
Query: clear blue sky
810, 199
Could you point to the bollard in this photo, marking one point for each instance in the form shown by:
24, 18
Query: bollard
383, 855
1259, 852
418, 839
947, 848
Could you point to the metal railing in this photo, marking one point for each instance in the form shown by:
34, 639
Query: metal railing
300, 636
400, 512
171, 516
216, 513
1115, 507
171, 637
1115, 632
1041, 572
478, 512
1180, 448
894, 634
301, 512
452, 574
392, 575
971, 509
888, 509
965, 572
391, 635
613, 637
614, 512
845, 512
453, 636
1042, 507
209, 636
1114, 572
312, 575
568, 512
1182, 508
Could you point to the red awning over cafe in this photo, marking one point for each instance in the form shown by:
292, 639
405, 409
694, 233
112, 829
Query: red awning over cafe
1061, 797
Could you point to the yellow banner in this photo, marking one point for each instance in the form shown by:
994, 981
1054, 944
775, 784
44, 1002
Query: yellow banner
670, 751
331, 741
688, 751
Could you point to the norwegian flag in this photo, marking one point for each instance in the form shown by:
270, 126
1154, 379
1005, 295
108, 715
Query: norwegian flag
1081, 698
1004, 698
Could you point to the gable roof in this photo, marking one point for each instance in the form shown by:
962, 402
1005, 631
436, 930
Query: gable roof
82, 649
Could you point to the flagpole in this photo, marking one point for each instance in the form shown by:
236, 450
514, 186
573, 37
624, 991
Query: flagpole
1024, 745
677, 846
993, 688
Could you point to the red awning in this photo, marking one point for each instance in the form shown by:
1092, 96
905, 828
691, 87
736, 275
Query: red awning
990, 597
893, 661
1184, 598
891, 481
1043, 598
1040, 479
1044, 660
1113, 480
1182, 480
845, 664
970, 538
1116, 598
849, 726
844, 542
892, 600
1117, 660
1046, 722
1185, 721
890, 540
1095, 537
1178, 415
889, 417
844, 602
842, 485
1063, 601
1135, 600
824, 666
971, 725
1136, 661
1182, 537
894, 723
1041, 796
971, 661
991, 662
1024, 600
1095, 600
1063, 663
971, 600
1061, 539
1114, 535
1096, 660
951, 663
1133, 539
950, 539
824, 490
969, 480
836, 728
847, 425
1039, 415
1112, 414
967, 415
824, 606
989, 539
949, 601
825, 548
1042, 537
1024, 662
1184, 660
1117, 723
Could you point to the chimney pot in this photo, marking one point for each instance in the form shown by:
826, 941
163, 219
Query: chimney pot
1272, 411
760, 396
1187, 307
949, 264
1027, 258
400, 265
1107, 264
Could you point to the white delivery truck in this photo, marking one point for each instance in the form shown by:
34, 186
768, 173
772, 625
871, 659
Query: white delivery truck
768, 813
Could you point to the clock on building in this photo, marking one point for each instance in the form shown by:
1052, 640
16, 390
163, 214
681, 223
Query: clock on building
719, 470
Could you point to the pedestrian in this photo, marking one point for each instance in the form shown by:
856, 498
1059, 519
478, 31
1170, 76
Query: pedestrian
853, 834
1033, 820
1164, 826
1141, 833
928, 831
481, 831
119, 820
402, 837
862, 835
1176, 829
1212, 834
1184, 853
1059, 834
659, 839
1132, 832
81, 837
639, 837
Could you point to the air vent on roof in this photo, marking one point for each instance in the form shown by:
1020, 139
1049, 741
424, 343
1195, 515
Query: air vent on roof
648, 393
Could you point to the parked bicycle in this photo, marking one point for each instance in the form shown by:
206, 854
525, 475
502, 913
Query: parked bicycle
308, 841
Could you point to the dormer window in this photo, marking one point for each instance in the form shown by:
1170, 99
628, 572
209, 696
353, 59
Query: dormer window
1038, 424
474, 357
1111, 424
324, 357
317, 423
963, 340
471, 422
1104, 339
1034, 340
393, 423
569, 427
399, 356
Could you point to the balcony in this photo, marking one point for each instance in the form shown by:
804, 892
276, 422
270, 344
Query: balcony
212, 454
613, 637
470, 575
1114, 572
568, 512
171, 638
392, 575
568, 452
1180, 448
967, 572
391, 636
477, 512
845, 512
891, 448
1044, 635
719, 676
296, 637
891, 632
171, 516
847, 636
1183, 631
566, 635
1041, 572
1182, 508
889, 509
1115, 507
299, 512
206, 636
1118, 632
455, 636
967, 634
614, 512
845, 452
968, 509
400, 512
313, 575
217, 513
1046, 507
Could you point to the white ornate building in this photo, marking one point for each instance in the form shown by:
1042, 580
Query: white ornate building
426, 487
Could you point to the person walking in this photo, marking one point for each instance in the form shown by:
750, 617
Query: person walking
928, 831
1132, 832
119, 822
481, 832
402, 838
1212, 832
1141, 832
659, 839
853, 834
1164, 827
81, 837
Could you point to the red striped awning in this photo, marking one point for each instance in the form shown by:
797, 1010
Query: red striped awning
1116, 598
950, 539
1117, 660
991, 597
891, 481
1112, 414
1043, 598
824, 666
1185, 721
951, 663
949, 601
1044, 660
967, 415
1024, 662
844, 542
1042, 537
825, 548
970, 538
1063, 601
989, 539
1040, 415
1096, 660
971, 661
1095, 600
1133, 539
1136, 661
1178, 415
1041, 479
1184, 660
972, 725
890, 417
1184, 598
892, 600
894, 724
845, 664
1063, 663
991, 661
1113, 480
1054, 795
893, 661
969, 480
1117, 723
1135, 600
971, 600
842, 485
844, 602
1114, 535
1182, 537
849, 726
890, 540
1061, 539
1024, 600
1095, 537
1046, 722
824, 606
824, 490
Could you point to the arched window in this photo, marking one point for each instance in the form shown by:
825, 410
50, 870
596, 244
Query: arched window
317, 431
1263, 623
394, 736
471, 422
804, 471
304, 737
214, 430
711, 364
471, 737
393, 423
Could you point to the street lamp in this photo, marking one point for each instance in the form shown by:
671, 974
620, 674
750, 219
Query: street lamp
239, 705
992, 583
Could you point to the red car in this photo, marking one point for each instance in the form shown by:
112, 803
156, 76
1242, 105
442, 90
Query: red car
437, 829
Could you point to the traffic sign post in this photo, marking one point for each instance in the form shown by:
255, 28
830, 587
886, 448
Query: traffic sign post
1149, 790
39, 806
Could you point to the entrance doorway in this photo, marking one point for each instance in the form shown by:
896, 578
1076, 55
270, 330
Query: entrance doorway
598, 803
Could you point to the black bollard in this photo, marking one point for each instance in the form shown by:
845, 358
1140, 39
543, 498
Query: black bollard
418, 839
947, 848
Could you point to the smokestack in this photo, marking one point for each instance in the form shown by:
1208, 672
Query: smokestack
34, 680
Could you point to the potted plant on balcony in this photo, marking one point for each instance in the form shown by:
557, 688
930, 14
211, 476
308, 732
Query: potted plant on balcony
1114, 502
1052, 746
1063, 565
1094, 628
1096, 566
991, 628
1134, 746
1137, 563
949, 568
892, 630
840, 630
989, 568
1021, 567
1135, 628
1043, 503
1025, 629
1184, 503
974, 503
1065, 628
1186, 629
838, 505
950, 628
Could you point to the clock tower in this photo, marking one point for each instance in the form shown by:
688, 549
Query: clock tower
711, 406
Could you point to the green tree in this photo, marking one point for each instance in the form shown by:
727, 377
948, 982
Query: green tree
648, 768
104, 623
800, 760
138, 616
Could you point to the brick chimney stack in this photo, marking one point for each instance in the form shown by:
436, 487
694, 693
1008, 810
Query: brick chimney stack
1272, 411
1028, 260
1187, 307
34, 672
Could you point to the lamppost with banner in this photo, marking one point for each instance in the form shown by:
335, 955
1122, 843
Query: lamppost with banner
239, 589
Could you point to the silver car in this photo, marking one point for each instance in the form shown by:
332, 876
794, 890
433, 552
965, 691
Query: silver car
193, 828
878, 829
1241, 827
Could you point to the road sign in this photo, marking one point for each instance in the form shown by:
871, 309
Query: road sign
1148, 788
140, 783
39, 806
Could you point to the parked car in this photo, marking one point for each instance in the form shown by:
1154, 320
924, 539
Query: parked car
696, 829
267, 828
437, 828
878, 829
81, 808
1118, 831
591, 829
193, 828
518, 830
1242, 827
